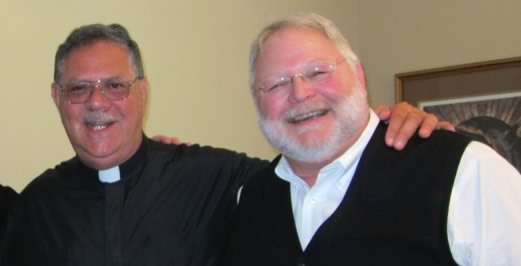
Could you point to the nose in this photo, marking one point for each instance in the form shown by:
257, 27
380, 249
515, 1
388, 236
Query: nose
301, 88
97, 98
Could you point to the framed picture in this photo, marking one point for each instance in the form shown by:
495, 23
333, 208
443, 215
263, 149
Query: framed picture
483, 101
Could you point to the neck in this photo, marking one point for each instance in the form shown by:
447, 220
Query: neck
307, 171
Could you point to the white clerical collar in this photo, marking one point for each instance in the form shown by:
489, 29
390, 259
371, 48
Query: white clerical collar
109, 175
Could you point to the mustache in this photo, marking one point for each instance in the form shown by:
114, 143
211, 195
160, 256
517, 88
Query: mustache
98, 117
306, 107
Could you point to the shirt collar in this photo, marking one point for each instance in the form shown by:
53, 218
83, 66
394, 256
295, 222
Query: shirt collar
131, 167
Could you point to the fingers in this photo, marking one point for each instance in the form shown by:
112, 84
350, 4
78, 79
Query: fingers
383, 112
166, 140
406, 120
403, 123
432, 123
406, 127
446, 125
429, 124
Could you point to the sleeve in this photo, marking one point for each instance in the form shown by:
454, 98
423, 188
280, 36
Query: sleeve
7, 196
7, 229
484, 222
245, 168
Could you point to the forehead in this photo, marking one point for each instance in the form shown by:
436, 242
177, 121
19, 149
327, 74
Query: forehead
293, 46
97, 60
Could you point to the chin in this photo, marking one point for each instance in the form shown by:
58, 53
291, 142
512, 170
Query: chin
306, 149
351, 116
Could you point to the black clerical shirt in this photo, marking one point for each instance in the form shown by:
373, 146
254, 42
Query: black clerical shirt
172, 206
7, 196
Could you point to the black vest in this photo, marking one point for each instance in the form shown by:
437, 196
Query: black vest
394, 212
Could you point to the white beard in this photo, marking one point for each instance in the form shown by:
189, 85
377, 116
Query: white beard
351, 115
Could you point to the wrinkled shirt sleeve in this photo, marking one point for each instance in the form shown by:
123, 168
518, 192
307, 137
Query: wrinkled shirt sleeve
484, 222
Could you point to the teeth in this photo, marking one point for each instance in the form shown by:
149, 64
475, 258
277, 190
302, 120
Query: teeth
98, 127
307, 116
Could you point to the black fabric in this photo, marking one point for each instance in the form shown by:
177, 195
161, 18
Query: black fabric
7, 196
173, 206
394, 212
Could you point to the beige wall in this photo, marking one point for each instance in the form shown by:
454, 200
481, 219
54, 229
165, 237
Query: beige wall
407, 35
195, 55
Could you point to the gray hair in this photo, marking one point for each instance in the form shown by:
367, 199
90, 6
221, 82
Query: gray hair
88, 34
300, 20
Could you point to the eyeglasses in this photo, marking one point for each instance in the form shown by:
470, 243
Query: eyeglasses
114, 89
315, 73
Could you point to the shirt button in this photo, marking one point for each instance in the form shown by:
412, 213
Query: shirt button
314, 200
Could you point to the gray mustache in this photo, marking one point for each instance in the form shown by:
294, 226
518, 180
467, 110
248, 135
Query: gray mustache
98, 117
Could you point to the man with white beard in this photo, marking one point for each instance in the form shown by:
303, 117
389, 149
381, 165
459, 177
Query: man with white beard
337, 195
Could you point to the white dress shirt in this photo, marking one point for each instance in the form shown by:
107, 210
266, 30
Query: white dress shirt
484, 221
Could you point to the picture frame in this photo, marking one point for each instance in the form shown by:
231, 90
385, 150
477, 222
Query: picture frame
483, 78
483, 101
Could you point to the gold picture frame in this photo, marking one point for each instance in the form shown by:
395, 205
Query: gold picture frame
483, 100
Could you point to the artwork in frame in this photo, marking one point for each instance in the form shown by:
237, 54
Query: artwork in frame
483, 100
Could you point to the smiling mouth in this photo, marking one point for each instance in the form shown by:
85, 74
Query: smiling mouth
308, 116
97, 127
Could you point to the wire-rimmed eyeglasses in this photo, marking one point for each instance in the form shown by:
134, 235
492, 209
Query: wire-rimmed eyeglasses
314, 73
115, 89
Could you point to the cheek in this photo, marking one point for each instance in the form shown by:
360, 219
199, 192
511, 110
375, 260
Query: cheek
337, 88
69, 114
271, 107
71, 119
131, 113
134, 105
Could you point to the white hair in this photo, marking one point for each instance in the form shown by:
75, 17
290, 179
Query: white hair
301, 20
